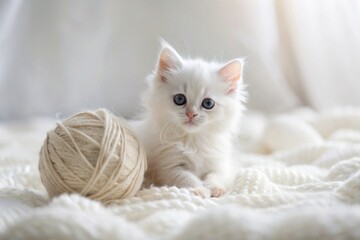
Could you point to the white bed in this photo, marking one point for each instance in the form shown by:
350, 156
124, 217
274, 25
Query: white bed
299, 179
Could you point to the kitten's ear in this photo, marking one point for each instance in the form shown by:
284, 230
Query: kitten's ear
231, 73
169, 60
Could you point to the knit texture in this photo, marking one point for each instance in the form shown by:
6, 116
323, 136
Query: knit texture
297, 177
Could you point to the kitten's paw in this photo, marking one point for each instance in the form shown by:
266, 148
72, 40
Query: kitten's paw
217, 191
201, 192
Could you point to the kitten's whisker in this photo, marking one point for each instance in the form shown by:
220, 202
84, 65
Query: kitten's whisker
178, 132
163, 132
166, 127
178, 129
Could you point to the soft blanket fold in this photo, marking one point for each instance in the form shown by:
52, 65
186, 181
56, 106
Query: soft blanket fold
298, 177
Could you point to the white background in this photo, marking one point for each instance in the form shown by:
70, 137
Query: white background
60, 57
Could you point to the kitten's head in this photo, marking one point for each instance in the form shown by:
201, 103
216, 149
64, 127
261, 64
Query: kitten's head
194, 95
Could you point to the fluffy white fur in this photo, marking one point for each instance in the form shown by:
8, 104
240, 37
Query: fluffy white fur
193, 152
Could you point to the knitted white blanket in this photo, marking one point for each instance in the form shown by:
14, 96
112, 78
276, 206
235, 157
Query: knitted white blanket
298, 178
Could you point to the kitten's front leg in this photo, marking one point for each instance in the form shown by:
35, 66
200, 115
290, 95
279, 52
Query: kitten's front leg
183, 178
212, 182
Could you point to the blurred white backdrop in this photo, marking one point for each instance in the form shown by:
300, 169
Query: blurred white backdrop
67, 56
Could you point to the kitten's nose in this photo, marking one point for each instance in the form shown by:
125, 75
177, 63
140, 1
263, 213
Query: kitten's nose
191, 115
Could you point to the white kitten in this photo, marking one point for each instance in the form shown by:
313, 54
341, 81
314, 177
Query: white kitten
192, 112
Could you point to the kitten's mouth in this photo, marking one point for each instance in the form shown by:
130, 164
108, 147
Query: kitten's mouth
189, 123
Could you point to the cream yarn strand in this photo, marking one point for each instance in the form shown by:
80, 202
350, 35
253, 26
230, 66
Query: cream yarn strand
94, 154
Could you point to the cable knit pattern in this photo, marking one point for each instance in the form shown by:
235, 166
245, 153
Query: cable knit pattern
298, 177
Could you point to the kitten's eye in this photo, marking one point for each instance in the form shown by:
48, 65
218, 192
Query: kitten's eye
208, 103
179, 99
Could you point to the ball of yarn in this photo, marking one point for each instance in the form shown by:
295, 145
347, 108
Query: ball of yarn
93, 153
